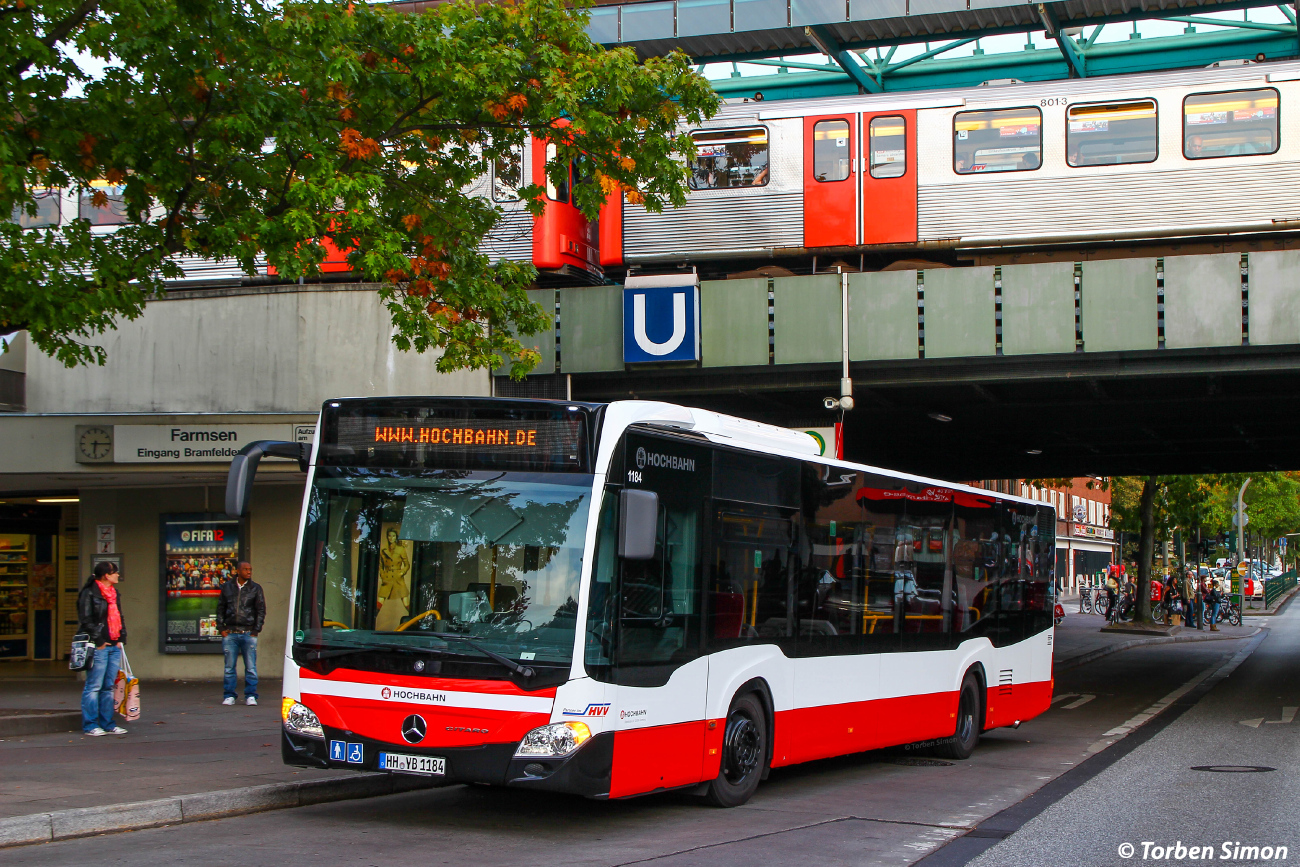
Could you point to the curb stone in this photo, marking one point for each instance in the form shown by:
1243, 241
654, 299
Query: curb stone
1093, 655
87, 821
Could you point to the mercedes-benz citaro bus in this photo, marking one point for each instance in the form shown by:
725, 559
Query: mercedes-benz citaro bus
625, 598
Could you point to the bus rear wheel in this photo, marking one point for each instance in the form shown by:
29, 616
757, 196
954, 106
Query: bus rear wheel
744, 754
967, 733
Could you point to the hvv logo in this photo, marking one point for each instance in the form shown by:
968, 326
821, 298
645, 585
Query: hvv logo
661, 319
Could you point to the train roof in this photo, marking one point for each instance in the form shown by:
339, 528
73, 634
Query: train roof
1251, 73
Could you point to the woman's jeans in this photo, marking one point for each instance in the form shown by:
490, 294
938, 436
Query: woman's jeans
1214, 613
97, 696
234, 645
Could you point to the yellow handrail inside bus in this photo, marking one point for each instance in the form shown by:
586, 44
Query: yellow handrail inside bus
867, 615
419, 617
335, 623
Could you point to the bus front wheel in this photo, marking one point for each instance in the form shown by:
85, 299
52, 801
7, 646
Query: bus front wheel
744, 753
967, 733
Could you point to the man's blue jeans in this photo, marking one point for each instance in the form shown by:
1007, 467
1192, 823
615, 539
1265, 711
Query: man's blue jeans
233, 646
97, 695
1214, 613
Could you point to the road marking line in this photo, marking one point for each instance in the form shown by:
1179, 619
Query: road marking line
1145, 716
1253, 723
1080, 702
1063, 696
1288, 716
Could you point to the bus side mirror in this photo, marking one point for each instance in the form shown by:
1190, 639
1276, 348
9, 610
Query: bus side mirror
243, 468
638, 524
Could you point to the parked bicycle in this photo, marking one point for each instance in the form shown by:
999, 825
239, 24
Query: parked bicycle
1085, 600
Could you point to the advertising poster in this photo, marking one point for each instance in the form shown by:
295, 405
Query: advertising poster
200, 553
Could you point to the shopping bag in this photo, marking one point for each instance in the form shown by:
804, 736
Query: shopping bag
126, 691
82, 655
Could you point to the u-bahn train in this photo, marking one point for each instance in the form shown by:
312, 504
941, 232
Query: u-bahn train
1189, 153
1181, 154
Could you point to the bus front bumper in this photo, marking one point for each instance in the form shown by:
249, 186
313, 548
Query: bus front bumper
586, 771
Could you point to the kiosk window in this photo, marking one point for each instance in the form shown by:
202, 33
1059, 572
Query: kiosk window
730, 158
1001, 140
1231, 124
832, 150
1111, 134
887, 144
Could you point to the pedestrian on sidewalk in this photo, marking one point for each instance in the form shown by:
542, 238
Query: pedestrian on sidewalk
1213, 599
241, 611
100, 617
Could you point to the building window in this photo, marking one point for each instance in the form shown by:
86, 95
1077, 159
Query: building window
1111, 133
725, 159
1230, 124
1002, 140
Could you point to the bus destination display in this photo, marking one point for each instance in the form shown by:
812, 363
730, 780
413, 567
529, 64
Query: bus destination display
462, 443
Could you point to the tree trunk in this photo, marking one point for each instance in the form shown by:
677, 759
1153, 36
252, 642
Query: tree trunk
1146, 551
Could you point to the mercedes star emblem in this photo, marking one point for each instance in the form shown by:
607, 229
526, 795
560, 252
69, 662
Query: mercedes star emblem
413, 729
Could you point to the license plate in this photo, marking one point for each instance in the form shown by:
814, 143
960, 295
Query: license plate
428, 766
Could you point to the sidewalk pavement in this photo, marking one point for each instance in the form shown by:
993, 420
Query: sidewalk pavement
1079, 639
189, 758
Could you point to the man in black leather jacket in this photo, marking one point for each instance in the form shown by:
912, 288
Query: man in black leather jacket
241, 611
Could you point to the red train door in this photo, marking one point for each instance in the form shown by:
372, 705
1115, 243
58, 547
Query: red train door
561, 235
889, 178
830, 195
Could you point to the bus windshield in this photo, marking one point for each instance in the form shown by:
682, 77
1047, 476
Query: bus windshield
470, 566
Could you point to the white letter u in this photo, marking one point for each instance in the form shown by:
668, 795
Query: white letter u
679, 325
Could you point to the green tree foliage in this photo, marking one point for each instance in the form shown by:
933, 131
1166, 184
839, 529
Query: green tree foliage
244, 127
1206, 503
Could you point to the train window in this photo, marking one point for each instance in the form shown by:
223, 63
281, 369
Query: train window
1111, 133
832, 150
508, 176
727, 158
887, 144
108, 211
555, 193
47, 210
999, 140
1231, 124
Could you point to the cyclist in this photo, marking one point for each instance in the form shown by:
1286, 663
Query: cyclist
1213, 598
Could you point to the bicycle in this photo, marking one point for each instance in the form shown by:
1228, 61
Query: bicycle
1085, 600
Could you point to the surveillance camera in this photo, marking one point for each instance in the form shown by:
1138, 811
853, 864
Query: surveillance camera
830, 403
846, 402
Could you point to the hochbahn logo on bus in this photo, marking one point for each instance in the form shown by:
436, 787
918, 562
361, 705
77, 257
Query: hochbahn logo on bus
671, 462
411, 695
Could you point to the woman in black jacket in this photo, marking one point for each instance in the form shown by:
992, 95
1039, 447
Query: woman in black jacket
101, 618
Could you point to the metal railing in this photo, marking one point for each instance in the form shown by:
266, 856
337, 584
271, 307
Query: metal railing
1274, 588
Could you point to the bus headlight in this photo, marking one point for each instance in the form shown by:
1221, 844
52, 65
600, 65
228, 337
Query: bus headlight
557, 739
298, 718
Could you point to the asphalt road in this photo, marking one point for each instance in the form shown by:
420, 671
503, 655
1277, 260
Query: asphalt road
1157, 802
882, 808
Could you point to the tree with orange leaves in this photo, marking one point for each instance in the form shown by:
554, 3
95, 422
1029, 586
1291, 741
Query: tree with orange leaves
244, 129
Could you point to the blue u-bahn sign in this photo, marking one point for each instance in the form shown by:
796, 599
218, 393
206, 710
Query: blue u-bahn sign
661, 323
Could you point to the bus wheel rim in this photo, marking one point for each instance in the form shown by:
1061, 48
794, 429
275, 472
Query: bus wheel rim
742, 748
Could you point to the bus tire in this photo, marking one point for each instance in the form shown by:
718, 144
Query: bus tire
967, 733
744, 753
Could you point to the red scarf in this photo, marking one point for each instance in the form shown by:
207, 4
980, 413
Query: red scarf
114, 615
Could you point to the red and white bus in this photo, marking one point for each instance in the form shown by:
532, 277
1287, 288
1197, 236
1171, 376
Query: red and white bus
618, 599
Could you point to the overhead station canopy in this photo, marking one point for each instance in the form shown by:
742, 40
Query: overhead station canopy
735, 29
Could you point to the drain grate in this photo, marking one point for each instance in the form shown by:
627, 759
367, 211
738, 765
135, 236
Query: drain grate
1234, 769
911, 762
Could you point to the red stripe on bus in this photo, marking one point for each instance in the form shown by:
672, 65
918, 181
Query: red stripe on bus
659, 757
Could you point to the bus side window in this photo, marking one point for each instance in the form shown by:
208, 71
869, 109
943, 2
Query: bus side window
975, 565
832, 595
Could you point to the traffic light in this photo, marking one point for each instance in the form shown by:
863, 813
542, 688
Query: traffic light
1232, 540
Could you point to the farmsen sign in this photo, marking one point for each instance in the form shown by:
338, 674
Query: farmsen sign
177, 443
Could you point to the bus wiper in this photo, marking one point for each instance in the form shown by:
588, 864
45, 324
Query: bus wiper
318, 652
521, 670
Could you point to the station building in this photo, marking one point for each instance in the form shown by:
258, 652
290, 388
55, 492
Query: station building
128, 461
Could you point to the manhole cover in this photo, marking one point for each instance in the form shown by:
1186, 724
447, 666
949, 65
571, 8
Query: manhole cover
920, 763
1234, 769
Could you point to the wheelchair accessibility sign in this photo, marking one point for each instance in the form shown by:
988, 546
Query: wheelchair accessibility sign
341, 751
